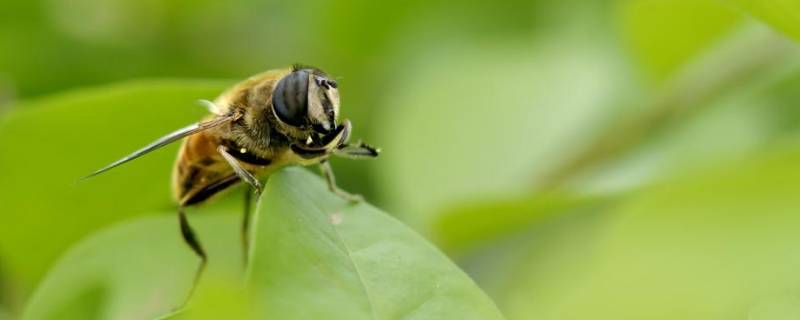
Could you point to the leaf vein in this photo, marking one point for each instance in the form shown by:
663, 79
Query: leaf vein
363, 282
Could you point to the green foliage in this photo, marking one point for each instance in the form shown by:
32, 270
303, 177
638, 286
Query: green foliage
492, 219
314, 256
50, 143
578, 159
139, 268
351, 260
666, 34
783, 15
716, 244
453, 152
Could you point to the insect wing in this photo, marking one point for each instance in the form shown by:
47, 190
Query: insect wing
163, 141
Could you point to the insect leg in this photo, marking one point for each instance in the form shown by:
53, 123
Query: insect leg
359, 150
246, 227
245, 175
191, 239
327, 171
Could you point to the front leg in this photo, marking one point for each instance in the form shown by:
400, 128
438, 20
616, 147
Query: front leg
243, 174
246, 176
359, 150
327, 171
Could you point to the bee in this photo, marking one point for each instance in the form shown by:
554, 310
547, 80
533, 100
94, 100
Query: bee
274, 119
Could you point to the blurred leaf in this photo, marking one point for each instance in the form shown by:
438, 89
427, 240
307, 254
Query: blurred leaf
220, 299
714, 244
470, 224
665, 34
48, 144
783, 110
718, 96
492, 131
314, 256
783, 15
496, 136
135, 270
732, 126
531, 273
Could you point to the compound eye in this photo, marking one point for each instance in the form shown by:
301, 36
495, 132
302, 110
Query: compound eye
290, 98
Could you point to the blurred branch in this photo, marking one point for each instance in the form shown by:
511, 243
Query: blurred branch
735, 62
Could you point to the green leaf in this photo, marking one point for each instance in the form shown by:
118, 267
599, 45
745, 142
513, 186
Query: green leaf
469, 225
48, 144
783, 15
665, 34
718, 243
726, 83
314, 256
311, 244
139, 269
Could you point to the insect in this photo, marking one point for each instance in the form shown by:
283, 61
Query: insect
274, 119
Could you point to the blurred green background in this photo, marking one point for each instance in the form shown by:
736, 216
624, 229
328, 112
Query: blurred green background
632, 159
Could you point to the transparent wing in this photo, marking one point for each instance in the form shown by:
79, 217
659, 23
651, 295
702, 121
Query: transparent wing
163, 141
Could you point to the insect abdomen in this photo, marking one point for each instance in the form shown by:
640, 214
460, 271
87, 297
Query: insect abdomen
200, 171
